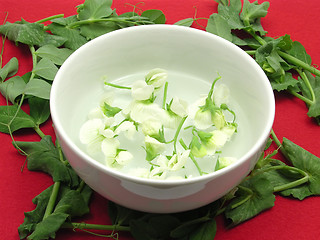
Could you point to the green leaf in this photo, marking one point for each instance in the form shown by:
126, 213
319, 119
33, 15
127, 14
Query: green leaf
288, 82
253, 11
219, 26
95, 9
110, 111
12, 88
154, 15
91, 31
35, 216
306, 161
39, 109
230, 12
45, 68
298, 51
206, 231
10, 69
70, 203
24, 32
38, 88
44, 156
56, 55
74, 39
187, 22
13, 118
314, 84
253, 196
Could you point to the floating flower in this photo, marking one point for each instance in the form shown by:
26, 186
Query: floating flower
179, 107
156, 77
153, 147
151, 126
140, 111
197, 149
114, 156
216, 139
128, 128
140, 90
221, 95
178, 160
93, 132
223, 162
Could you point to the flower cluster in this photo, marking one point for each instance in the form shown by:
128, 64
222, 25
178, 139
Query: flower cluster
161, 129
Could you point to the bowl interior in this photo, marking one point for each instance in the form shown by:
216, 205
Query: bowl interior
192, 58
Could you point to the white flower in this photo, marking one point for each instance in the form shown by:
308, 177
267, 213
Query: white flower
123, 158
109, 148
224, 162
151, 126
221, 95
179, 107
128, 128
162, 161
113, 156
178, 160
202, 119
218, 119
158, 173
218, 139
92, 133
140, 90
156, 77
139, 111
153, 147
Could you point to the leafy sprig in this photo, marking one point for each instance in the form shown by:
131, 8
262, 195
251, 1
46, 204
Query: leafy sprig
281, 58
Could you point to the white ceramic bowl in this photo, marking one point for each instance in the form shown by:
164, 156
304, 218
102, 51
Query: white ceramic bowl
187, 53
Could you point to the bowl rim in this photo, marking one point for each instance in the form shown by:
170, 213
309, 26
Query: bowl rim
163, 182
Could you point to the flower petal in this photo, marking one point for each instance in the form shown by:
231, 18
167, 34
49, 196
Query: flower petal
140, 90
124, 157
221, 95
156, 77
179, 107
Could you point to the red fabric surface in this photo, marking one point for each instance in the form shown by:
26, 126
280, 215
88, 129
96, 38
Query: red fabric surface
288, 219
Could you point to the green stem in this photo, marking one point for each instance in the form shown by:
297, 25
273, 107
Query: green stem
177, 133
34, 61
191, 156
50, 18
303, 98
293, 184
39, 132
276, 140
117, 86
61, 157
307, 82
96, 226
165, 93
123, 20
52, 199
250, 193
297, 62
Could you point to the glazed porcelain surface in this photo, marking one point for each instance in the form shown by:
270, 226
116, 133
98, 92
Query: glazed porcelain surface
186, 53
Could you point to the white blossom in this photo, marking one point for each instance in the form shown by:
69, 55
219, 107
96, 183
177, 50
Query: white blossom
221, 95
140, 90
178, 160
128, 128
225, 162
156, 77
92, 133
179, 107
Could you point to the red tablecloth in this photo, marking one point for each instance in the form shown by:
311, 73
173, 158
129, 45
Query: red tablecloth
288, 219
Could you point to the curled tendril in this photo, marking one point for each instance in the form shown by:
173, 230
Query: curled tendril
135, 7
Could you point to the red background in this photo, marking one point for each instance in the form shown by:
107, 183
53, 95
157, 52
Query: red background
288, 219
